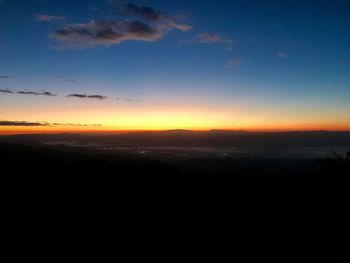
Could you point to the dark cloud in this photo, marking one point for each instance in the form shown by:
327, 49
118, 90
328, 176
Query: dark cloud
98, 97
22, 123
6, 91
35, 124
106, 33
37, 93
149, 14
84, 96
103, 32
144, 12
48, 18
7, 77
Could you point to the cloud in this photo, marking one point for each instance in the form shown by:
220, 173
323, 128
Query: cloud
152, 26
22, 123
234, 63
84, 96
48, 18
144, 12
6, 91
7, 77
147, 13
106, 33
36, 93
282, 54
36, 124
209, 38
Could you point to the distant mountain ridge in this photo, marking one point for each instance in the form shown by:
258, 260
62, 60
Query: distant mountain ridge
184, 138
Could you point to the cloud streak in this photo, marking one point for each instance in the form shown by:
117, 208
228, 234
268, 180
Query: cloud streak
22, 123
45, 124
84, 96
36, 93
48, 18
26, 92
6, 91
150, 26
74, 95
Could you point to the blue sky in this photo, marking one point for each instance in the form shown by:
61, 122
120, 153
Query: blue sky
267, 55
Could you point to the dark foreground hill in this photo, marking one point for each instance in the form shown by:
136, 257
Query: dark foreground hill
87, 199
185, 138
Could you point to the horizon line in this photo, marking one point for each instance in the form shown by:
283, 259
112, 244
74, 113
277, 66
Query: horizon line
23, 132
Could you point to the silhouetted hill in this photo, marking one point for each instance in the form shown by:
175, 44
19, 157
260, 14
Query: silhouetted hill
87, 198
203, 139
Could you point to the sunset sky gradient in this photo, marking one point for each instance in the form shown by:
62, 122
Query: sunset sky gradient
109, 65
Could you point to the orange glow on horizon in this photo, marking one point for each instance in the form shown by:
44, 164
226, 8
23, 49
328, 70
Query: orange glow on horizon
104, 130
157, 118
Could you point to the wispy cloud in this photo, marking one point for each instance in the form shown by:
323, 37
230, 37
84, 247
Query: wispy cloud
210, 38
26, 92
37, 93
7, 77
48, 18
6, 91
22, 123
84, 96
282, 54
47, 124
152, 26
74, 95
234, 63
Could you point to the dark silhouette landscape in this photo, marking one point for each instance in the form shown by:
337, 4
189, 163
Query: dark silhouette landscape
207, 123
95, 187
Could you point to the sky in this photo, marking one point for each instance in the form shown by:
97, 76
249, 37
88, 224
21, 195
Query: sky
93, 65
